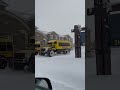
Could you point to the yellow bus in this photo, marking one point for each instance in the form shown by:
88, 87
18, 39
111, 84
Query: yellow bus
56, 46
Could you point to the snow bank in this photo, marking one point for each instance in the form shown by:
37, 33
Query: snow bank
65, 71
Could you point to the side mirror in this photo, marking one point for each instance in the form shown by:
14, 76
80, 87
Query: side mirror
42, 84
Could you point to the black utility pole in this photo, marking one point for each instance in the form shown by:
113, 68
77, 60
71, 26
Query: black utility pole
76, 31
101, 11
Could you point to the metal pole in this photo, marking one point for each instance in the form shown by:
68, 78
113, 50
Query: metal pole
76, 31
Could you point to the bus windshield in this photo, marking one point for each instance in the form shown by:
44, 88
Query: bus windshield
49, 43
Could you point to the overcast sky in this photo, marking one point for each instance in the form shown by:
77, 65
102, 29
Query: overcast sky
54, 15
59, 15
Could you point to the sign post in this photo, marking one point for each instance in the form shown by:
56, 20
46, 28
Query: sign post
76, 31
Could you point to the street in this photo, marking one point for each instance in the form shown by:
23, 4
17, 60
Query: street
65, 71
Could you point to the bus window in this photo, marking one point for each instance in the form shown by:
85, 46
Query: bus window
64, 44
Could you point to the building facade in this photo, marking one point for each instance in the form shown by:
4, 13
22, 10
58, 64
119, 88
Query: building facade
40, 36
43, 37
52, 35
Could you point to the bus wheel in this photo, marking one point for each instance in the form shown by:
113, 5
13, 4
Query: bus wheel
50, 53
65, 51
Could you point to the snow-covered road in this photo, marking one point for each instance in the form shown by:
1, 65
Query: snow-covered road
65, 71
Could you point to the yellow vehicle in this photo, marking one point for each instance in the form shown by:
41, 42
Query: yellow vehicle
37, 47
56, 46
